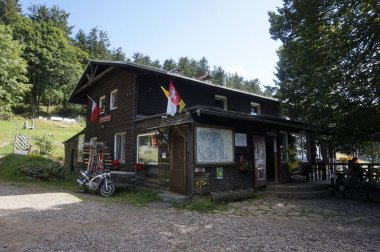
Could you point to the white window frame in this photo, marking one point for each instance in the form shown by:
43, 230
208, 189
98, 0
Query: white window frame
304, 157
112, 107
138, 144
222, 98
257, 106
101, 104
122, 146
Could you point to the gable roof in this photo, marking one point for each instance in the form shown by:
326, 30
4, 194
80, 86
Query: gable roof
96, 69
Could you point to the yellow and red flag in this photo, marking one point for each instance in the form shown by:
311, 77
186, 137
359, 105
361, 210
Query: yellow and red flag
174, 99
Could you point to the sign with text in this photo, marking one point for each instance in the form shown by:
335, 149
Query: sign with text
106, 118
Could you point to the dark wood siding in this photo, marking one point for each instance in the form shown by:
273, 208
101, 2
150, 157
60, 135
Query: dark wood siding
151, 99
121, 117
71, 145
233, 179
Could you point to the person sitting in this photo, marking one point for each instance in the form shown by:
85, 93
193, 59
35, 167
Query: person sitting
355, 173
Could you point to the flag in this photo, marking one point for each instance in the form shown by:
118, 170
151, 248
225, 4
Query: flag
95, 110
174, 99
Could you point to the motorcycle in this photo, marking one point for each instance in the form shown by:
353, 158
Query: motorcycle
98, 182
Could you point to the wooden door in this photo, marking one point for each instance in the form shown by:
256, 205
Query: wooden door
259, 160
178, 164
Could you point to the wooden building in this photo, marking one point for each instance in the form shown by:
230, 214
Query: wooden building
225, 139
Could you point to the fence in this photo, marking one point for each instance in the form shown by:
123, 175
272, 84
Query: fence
331, 170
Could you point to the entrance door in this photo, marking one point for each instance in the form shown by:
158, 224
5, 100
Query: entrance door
178, 164
259, 160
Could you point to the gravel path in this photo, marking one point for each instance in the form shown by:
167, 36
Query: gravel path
35, 219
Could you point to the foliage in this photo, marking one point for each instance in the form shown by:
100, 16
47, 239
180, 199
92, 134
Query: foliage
329, 64
204, 205
13, 80
44, 145
58, 132
139, 197
53, 65
9, 11
21, 168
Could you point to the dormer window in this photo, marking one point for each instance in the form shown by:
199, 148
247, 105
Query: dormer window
221, 102
102, 104
255, 108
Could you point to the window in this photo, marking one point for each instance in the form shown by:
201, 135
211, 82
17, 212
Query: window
102, 104
119, 147
255, 108
147, 148
113, 99
284, 146
80, 148
221, 102
300, 142
93, 139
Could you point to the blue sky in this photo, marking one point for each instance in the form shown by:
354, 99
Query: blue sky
233, 34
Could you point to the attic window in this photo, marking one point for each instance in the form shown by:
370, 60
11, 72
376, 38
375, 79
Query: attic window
102, 104
255, 108
221, 102
113, 99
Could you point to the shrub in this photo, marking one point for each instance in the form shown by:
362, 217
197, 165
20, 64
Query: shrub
44, 145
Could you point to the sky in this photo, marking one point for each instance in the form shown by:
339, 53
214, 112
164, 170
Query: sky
233, 34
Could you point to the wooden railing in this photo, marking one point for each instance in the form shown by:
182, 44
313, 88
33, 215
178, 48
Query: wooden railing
331, 170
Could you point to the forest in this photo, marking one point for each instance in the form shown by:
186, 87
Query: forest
41, 59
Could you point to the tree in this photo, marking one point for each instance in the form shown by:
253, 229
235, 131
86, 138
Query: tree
57, 17
329, 64
118, 55
218, 75
13, 80
169, 65
53, 63
9, 11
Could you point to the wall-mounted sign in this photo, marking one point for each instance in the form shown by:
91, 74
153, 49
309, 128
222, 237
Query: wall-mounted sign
241, 139
106, 118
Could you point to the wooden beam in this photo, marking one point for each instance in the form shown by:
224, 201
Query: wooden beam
94, 79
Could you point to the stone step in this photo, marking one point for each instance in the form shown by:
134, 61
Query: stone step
174, 197
302, 195
297, 187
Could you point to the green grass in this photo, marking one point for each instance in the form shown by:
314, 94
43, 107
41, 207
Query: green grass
12, 165
136, 197
55, 131
204, 205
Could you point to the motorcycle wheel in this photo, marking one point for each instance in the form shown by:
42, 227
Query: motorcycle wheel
82, 188
107, 190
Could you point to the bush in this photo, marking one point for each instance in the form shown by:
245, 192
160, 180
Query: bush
16, 167
44, 145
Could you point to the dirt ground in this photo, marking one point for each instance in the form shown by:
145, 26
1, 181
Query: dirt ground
39, 219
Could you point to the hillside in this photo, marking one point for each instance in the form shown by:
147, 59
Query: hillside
56, 132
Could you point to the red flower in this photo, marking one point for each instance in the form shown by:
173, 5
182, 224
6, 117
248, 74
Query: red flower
139, 166
115, 163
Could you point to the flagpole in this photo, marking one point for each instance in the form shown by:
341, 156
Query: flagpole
91, 99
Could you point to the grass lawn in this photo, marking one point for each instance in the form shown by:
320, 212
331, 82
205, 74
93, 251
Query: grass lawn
55, 131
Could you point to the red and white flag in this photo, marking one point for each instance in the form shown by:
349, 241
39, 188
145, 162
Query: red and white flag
95, 111
173, 100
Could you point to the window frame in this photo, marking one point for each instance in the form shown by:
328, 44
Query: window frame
302, 136
122, 152
222, 98
112, 107
257, 106
137, 148
101, 104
